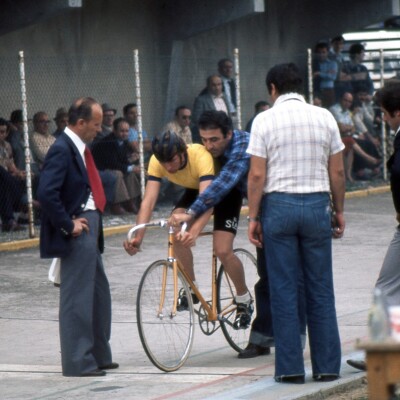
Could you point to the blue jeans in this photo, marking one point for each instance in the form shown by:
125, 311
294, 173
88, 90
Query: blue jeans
298, 243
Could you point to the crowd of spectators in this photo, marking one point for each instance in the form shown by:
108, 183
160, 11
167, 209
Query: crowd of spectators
342, 84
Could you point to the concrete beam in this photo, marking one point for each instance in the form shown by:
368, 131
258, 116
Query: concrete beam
185, 19
19, 14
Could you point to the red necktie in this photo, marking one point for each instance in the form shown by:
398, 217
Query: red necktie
95, 181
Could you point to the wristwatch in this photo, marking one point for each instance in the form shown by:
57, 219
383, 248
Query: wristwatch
251, 219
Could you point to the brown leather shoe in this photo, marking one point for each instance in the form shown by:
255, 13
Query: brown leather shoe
116, 209
254, 350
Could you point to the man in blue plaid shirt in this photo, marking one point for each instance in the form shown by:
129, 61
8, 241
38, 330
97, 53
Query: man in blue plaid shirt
225, 194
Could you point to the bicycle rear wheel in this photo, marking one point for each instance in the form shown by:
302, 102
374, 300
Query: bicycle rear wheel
237, 338
166, 338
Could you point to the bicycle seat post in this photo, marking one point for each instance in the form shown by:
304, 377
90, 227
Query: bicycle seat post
172, 260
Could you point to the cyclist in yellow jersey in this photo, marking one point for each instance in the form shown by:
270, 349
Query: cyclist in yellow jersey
192, 167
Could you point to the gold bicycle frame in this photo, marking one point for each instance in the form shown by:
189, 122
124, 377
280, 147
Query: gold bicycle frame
210, 310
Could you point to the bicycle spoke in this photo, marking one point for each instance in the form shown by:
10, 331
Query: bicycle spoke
166, 338
237, 338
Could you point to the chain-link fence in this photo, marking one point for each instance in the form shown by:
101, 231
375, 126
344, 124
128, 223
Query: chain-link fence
53, 82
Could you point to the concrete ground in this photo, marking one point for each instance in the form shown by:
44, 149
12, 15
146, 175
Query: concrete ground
29, 344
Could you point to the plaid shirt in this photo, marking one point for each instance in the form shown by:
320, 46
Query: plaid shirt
297, 140
235, 166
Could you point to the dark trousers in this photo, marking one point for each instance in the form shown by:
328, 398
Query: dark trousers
85, 304
11, 191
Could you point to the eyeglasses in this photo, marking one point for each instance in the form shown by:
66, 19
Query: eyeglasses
44, 121
186, 117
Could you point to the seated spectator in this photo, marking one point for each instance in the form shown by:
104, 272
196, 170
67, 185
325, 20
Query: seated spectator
131, 115
342, 114
366, 112
12, 182
181, 124
41, 139
113, 153
61, 120
324, 75
260, 106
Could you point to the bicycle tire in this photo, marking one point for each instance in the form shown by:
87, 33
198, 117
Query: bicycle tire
166, 339
237, 338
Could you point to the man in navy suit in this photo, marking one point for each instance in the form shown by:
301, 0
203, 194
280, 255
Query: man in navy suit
72, 199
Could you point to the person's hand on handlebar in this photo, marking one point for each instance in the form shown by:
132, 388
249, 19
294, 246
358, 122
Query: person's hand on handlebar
132, 246
186, 238
179, 218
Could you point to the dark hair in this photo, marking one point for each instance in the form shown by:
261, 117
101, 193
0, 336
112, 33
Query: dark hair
356, 48
81, 109
166, 145
389, 96
222, 61
321, 45
285, 77
361, 87
118, 121
261, 103
127, 107
339, 38
16, 116
3, 122
37, 116
213, 119
183, 107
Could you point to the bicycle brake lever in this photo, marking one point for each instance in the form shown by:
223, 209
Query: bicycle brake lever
183, 229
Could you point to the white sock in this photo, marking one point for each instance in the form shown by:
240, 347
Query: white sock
244, 298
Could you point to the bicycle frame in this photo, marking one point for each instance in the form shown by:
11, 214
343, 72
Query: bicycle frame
211, 310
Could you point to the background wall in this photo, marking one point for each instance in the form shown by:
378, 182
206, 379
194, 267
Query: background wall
88, 50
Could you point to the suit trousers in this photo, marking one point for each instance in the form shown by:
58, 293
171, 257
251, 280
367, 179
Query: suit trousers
85, 304
389, 275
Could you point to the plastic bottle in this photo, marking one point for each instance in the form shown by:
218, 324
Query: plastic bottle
378, 321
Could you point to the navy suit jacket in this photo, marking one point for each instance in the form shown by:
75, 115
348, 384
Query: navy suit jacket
63, 192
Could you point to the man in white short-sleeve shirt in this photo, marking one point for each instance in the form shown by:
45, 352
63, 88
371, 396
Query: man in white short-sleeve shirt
296, 162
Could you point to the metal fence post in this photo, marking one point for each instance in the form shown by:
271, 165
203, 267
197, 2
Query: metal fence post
26, 144
140, 129
237, 87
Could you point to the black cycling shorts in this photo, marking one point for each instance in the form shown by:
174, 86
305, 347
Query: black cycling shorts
226, 212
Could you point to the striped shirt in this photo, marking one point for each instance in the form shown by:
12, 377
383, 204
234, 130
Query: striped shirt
297, 140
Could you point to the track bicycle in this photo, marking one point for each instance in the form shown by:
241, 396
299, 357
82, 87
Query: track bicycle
166, 332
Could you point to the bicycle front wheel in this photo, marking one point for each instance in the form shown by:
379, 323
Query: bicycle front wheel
226, 307
166, 337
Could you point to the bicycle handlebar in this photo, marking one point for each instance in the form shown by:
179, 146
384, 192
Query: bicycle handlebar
161, 223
